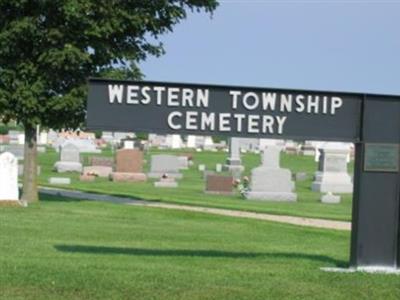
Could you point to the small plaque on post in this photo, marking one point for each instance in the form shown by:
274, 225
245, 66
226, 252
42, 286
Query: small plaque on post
381, 158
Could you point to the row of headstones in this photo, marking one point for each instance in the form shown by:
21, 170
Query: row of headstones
268, 182
271, 182
128, 166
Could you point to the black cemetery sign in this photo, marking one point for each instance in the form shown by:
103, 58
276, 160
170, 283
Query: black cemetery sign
233, 111
372, 122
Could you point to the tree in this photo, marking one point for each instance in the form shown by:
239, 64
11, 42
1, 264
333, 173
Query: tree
48, 49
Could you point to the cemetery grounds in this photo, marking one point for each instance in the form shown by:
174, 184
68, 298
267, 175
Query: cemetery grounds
70, 249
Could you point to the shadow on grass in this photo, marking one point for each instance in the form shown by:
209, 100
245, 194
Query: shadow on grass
57, 198
64, 198
197, 253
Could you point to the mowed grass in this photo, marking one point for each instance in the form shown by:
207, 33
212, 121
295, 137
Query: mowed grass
62, 249
191, 187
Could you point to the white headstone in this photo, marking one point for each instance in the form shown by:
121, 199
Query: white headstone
8, 177
269, 181
233, 162
43, 138
174, 141
332, 173
69, 153
69, 159
129, 144
191, 141
60, 180
208, 143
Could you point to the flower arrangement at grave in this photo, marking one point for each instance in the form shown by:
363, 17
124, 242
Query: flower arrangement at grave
242, 185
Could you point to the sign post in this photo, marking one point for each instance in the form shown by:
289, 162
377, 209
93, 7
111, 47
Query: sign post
372, 122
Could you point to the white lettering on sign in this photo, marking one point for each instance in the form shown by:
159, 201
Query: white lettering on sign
285, 103
226, 122
171, 123
268, 111
169, 96
336, 103
115, 91
131, 98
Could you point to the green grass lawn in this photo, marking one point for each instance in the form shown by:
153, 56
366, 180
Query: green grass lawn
191, 187
61, 249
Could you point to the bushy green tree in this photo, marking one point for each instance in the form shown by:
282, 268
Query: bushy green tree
48, 49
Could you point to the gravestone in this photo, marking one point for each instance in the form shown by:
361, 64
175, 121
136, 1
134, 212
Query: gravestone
219, 184
201, 167
42, 138
164, 164
332, 173
233, 162
208, 143
348, 147
129, 166
269, 181
191, 141
173, 141
308, 149
69, 160
101, 161
100, 171
218, 168
291, 147
60, 180
129, 144
128, 177
8, 177
129, 161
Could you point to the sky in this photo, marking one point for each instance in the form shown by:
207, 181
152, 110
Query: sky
331, 45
